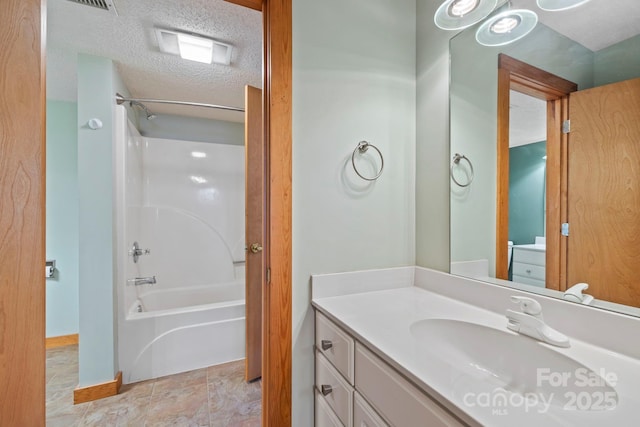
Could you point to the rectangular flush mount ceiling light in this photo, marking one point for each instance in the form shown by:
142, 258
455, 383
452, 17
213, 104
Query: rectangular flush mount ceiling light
194, 48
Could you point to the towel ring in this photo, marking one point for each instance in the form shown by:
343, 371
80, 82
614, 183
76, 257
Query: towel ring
362, 148
456, 160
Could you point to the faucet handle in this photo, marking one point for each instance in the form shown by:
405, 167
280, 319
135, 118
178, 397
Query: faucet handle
580, 287
528, 305
575, 294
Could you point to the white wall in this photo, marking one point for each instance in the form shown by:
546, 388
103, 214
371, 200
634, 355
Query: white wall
432, 140
353, 79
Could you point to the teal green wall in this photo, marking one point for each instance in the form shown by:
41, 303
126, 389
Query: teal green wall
526, 192
618, 62
62, 217
98, 82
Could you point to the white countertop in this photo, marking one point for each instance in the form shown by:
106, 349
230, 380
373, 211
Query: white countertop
381, 320
531, 247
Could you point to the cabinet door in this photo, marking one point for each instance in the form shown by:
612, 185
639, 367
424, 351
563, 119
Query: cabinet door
338, 392
395, 398
534, 272
364, 415
529, 257
324, 415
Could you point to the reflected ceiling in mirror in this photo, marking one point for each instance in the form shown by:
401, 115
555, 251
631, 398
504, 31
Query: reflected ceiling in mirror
588, 50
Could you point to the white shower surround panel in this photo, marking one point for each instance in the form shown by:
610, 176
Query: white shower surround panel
192, 213
129, 185
185, 202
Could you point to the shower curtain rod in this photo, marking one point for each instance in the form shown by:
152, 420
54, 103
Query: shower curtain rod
121, 99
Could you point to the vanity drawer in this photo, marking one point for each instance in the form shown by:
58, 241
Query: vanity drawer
364, 415
324, 415
528, 270
340, 394
399, 401
529, 257
335, 345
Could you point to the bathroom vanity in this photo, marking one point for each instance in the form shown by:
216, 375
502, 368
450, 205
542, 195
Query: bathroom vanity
411, 347
342, 396
529, 264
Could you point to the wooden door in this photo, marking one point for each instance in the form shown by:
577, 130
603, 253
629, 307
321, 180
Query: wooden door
254, 231
604, 192
22, 204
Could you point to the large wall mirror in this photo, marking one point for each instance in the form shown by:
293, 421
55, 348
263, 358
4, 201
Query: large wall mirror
540, 203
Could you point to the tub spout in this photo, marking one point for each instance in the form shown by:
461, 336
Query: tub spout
142, 281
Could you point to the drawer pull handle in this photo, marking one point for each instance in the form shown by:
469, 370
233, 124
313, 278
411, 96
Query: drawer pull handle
326, 389
326, 345
528, 271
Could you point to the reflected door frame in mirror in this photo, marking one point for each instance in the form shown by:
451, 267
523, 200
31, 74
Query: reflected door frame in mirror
522, 77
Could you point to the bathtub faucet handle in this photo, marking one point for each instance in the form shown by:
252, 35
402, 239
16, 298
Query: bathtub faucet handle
136, 252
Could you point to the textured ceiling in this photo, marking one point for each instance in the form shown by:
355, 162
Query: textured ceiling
596, 24
129, 40
527, 119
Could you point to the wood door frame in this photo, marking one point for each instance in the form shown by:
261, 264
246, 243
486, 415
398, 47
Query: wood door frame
22, 212
277, 302
251, 4
522, 77
26, 253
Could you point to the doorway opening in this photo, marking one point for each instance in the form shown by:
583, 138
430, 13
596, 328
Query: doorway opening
23, 251
517, 76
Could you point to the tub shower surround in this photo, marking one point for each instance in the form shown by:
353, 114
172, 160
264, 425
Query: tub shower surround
184, 202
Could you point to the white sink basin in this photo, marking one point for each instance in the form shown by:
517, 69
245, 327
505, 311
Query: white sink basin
477, 359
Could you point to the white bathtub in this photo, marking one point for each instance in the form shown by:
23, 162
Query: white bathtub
182, 329
155, 302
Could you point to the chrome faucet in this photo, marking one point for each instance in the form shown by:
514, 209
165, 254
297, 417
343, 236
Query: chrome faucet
136, 252
529, 322
142, 281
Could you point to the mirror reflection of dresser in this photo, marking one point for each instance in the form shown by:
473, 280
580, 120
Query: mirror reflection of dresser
528, 263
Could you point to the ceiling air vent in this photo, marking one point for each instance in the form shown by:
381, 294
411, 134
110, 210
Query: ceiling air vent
99, 4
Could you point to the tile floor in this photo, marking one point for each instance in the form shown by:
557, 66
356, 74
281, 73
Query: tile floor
216, 397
